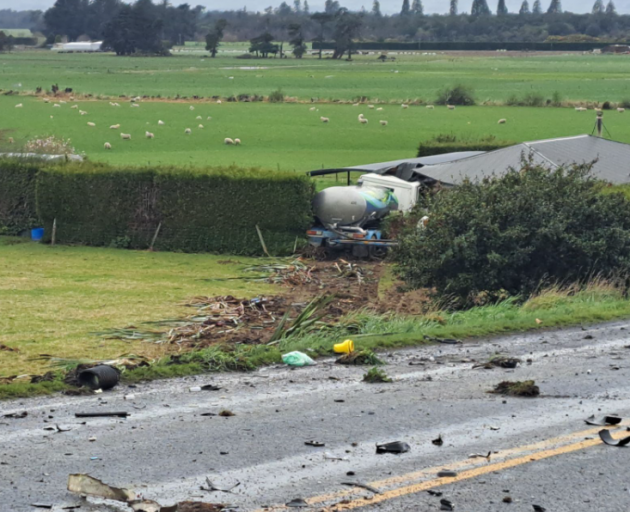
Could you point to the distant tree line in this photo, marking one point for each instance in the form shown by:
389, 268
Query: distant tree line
145, 27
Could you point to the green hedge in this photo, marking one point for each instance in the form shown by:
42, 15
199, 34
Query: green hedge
470, 46
450, 143
213, 210
17, 196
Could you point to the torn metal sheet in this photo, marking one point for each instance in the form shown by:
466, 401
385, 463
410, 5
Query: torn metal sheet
316, 444
607, 438
393, 447
88, 485
603, 421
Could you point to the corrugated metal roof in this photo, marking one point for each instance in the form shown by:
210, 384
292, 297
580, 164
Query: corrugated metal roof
613, 159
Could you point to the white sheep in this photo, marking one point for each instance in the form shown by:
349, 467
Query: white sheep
379, 109
360, 117
621, 110
198, 118
74, 106
312, 109
160, 123
208, 118
187, 131
112, 103
11, 141
502, 121
355, 104
46, 100
363, 120
450, 107
219, 102
107, 145
200, 127
83, 112
135, 104
55, 105
19, 105
91, 124
384, 123
228, 141
324, 119
114, 127
237, 142
430, 107
404, 105
370, 106
125, 136
62, 102
148, 135
192, 108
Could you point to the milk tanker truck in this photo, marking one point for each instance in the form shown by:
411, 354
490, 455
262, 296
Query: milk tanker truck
349, 218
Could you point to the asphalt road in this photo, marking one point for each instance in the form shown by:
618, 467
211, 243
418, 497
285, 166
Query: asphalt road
542, 452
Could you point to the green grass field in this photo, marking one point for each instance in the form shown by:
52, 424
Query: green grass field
191, 72
278, 136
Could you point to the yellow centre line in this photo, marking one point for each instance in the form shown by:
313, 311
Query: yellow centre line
480, 466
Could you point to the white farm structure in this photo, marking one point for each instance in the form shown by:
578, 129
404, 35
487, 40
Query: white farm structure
85, 47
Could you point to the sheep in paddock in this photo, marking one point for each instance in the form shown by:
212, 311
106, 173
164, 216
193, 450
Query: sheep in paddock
450, 107
148, 135
361, 117
192, 108
112, 103
324, 119
55, 105
91, 124
198, 118
62, 102
228, 141
114, 127
187, 131
370, 106
74, 106
621, 110
160, 123
83, 112
209, 117
200, 126
502, 121
19, 105
355, 104
11, 141
379, 109
125, 136
237, 142
46, 100
404, 105
383, 123
312, 109
219, 102
107, 145
431, 107
363, 120
135, 104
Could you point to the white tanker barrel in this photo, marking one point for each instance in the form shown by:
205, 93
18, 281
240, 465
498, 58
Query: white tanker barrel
353, 206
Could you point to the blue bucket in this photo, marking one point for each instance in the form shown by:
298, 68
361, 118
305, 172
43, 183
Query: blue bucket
37, 234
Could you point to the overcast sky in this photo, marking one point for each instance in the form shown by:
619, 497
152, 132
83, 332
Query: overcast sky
387, 6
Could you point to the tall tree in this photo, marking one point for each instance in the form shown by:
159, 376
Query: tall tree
555, 7
501, 8
306, 9
67, 17
524, 8
610, 8
537, 9
263, 45
296, 40
331, 7
347, 28
323, 19
376, 9
100, 12
480, 8
404, 11
297, 6
598, 7
6, 42
417, 9
214, 37
453, 8
135, 29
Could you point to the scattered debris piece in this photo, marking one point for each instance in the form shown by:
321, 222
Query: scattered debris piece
447, 473
213, 488
360, 357
145, 506
42, 505
603, 421
376, 375
8, 349
16, 415
316, 444
207, 414
507, 499
345, 347
526, 388
480, 455
499, 361
86, 484
446, 341
195, 506
438, 441
538, 508
226, 413
363, 486
393, 447
297, 359
57, 428
99, 377
117, 414
435, 493
446, 504
297, 502
207, 387
607, 438
329, 456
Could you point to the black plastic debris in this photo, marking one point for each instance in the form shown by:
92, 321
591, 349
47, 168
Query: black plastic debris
447, 473
435, 493
603, 421
607, 438
363, 486
297, 503
99, 377
446, 341
117, 414
538, 508
207, 414
446, 504
316, 444
16, 415
438, 441
210, 387
42, 505
393, 447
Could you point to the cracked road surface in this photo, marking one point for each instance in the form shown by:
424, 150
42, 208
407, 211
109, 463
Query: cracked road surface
542, 452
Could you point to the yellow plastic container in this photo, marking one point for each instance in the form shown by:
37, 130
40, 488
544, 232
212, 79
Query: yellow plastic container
344, 348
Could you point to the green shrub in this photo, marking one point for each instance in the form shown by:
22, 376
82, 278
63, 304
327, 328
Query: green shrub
17, 195
625, 103
197, 210
513, 233
276, 96
457, 95
447, 143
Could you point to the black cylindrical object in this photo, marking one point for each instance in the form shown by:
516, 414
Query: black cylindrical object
99, 377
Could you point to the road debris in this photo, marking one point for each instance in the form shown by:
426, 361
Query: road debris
58, 429
297, 503
538, 508
99, 377
207, 387
446, 504
88, 485
437, 494
195, 506
145, 506
446, 341
16, 415
607, 438
213, 488
603, 421
360, 357
316, 444
106, 414
393, 447
480, 455
375, 376
447, 473
293, 273
526, 388
297, 359
438, 441
499, 361
507, 499
329, 456
363, 486
226, 413
345, 347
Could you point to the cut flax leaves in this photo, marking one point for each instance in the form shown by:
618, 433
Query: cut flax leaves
306, 321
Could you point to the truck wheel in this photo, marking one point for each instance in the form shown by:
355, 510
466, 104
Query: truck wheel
378, 253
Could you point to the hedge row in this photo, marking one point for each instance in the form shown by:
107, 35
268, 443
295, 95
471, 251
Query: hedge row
442, 144
469, 46
213, 210
17, 197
